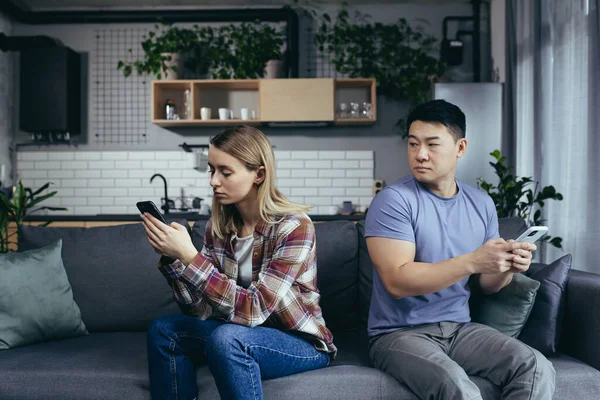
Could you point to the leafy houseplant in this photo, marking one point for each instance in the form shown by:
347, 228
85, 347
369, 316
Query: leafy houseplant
514, 197
161, 46
16, 209
242, 51
399, 56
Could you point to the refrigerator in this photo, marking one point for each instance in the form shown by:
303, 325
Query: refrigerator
482, 105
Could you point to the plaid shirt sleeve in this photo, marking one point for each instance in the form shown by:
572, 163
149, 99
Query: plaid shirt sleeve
251, 306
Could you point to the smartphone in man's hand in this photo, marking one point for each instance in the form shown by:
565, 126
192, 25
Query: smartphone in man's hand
532, 234
150, 208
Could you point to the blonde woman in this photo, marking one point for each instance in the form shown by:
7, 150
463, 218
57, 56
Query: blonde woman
249, 297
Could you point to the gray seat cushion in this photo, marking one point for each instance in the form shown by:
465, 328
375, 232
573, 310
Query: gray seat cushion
114, 366
574, 379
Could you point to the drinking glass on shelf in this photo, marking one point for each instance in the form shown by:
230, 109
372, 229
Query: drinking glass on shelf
365, 110
354, 110
342, 110
187, 104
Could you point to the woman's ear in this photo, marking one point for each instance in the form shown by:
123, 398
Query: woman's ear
260, 175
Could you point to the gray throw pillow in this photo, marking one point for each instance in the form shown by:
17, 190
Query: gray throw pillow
543, 328
507, 310
36, 301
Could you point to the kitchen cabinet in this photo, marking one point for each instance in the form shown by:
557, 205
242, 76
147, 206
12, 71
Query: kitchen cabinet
265, 100
297, 100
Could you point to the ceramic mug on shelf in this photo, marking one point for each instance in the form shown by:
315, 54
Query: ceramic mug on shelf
225, 113
205, 113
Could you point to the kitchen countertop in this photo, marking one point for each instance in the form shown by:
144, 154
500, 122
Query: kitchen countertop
173, 216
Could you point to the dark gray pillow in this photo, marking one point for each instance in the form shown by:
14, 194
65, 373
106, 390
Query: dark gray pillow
542, 330
36, 301
113, 274
507, 310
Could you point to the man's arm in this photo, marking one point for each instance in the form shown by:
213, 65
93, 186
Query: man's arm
493, 283
403, 277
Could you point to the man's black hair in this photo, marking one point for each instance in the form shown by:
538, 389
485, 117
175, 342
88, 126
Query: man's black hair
442, 112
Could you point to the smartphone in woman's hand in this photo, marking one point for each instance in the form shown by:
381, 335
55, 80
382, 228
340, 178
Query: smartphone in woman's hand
150, 208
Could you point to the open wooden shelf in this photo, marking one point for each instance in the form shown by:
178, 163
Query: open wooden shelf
272, 100
356, 90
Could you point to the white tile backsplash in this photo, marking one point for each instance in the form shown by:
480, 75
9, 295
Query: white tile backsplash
111, 182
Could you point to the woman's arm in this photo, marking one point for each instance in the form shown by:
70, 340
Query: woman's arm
252, 306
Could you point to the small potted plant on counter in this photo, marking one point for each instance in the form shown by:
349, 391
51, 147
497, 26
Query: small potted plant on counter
16, 207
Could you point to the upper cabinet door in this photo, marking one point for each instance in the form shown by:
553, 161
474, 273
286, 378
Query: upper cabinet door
283, 100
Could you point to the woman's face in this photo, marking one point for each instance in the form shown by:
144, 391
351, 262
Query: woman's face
231, 181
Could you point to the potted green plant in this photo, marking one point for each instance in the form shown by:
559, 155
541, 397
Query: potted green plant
167, 49
16, 208
245, 51
514, 197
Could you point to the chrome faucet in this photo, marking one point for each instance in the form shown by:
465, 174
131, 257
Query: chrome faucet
165, 206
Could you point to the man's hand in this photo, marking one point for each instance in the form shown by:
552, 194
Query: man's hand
493, 257
521, 255
499, 274
170, 240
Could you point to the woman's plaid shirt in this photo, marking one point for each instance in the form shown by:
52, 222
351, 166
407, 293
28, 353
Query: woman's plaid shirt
283, 293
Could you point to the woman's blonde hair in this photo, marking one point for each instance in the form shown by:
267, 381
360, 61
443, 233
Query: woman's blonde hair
253, 149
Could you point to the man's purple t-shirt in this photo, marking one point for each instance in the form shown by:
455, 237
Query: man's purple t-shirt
441, 228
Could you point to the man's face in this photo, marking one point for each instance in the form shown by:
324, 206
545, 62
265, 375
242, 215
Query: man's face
433, 152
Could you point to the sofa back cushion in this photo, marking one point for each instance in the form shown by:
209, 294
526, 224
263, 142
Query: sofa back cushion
337, 273
337, 270
113, 274
365, 275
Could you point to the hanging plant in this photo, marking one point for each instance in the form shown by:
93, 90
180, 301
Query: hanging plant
242, 51
165, 40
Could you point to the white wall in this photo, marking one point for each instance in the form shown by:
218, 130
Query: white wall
111, 182
6, 102
389, 149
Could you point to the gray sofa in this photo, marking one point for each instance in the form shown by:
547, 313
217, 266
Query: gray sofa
119, 291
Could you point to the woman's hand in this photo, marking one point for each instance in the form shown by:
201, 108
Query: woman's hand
171, 240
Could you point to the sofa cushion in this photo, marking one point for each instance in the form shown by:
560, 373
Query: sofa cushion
100, 366
113, 273
337, 273
337, 270
365, 275
36, 301
114, 366
575, 380
543, 328
507, 310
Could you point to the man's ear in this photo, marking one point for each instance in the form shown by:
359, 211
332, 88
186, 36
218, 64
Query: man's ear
260, 175
462, 147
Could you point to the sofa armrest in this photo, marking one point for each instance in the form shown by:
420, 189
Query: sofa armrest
581, 327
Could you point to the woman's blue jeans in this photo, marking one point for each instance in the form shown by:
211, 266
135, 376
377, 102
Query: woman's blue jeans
238, 357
